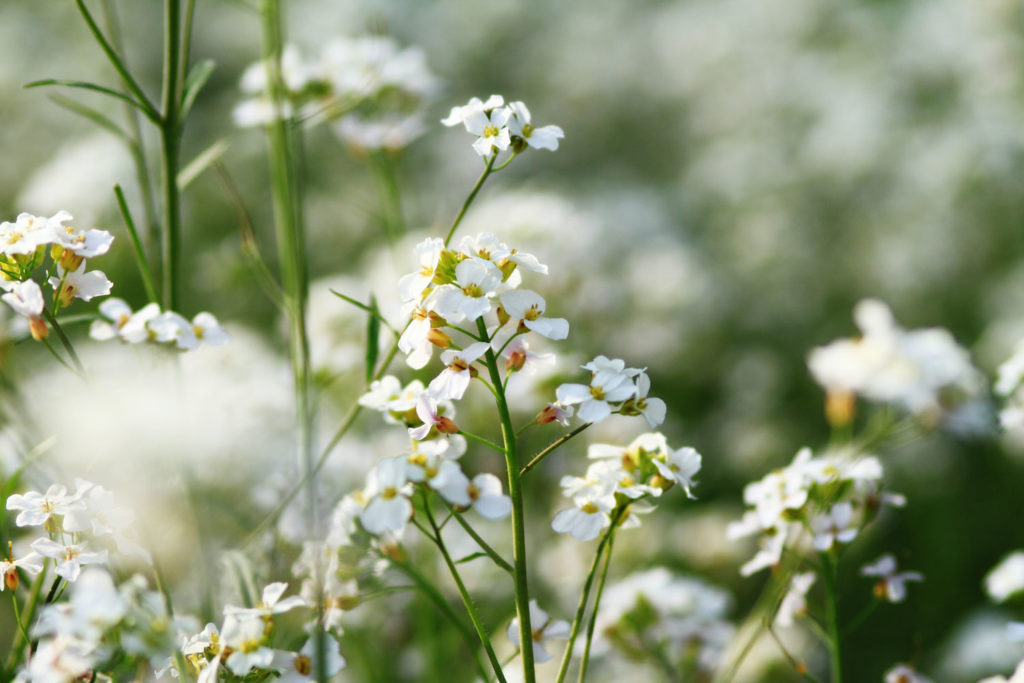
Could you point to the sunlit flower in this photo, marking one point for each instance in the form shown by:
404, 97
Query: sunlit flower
429, 411
527, 308
454, 379
78, 284
468, 298
39, 508
70, 558
891, 585
544, 629
587, 518
545, 137
388, 508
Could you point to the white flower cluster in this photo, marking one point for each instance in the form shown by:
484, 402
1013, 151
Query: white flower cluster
243, 644
682, 618
498, 127
612, 385
75, 524
618, 479
372, 90
24, 246
918, 370
1010, 386
102, 627
385, 500
833, 495
149, 324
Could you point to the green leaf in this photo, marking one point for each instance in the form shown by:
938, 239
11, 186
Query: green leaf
371, 310
85, 85
471, 557
96, 117
240, 568
203, 161
372, 339
197, 77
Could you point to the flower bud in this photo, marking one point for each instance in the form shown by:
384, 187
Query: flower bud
552, 413
37, 326
839, 407
439, 338
69, 260
11, 578
503, 316
515, 362
446, 425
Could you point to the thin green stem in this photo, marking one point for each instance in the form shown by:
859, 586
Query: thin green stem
17, 616
552, 446
117, 63
140, 254
491, 552
465, 206
522, 590
597, 605
467, 600
65, 342
161, 585
428, 589
53, 352
20, 638
480, 439
581, 606
830, 574
170, 145
855, 623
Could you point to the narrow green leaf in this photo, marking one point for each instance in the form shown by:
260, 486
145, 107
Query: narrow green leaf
372, 339
96, 117
471, 557
371, 310
140, 254
197, 77
95, 88
245, 578
203, 161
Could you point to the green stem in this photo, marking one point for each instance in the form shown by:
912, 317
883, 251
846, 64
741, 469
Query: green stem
424, 584
554, 444
480, 439
581, 607
65, 342
830, 574
491, 552
481, 632
161, 585
465, 205
140, 254
597, 604
170, 145
20, 638
515, 491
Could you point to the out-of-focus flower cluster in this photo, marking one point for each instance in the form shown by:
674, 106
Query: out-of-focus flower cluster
372, 91
832, 496
25, 245
149, 324
620, 480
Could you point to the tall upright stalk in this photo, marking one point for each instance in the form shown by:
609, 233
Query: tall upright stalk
830, 572
170, 145
515, 492
291, 246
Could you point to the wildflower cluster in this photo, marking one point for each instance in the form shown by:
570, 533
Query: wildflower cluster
104, 628
58, 249
79, 529
371, 90
243, 644
498, 127
657, 615
832, 497
925, 372
149, 324
613, 388
619, 480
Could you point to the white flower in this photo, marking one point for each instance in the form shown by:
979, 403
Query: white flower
27, 300
81, 243
387, 131
653, 409
891, 585
38, 508
491, 130
794, 604
429, 411
585, 521
528, 308
31, 563
207, 330
412, 286
468, 298
835, 527
297, 667
270, 602
454, 379
544, 629
137, 328
117, 314
901, 673
1006, 579
539, 138
461, 114
70, 558
172, 327
415, 341
388, 508
610, 383
26, 234
246, 636
487, 499
679, 466
78, 284
58, 660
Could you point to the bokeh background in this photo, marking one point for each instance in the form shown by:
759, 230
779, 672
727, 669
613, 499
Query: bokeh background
735, 176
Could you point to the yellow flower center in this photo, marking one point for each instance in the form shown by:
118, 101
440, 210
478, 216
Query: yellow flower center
389, 493
590, 508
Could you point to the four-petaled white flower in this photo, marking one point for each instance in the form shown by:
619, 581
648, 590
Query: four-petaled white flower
454, 379
837, 526
891, 585
78, 284
270, 602
468, 298
544, 629
586, 520
679, 466
611, 382
389, 509
70, 558
461, 114
429, 411
527, 308
545, 137
27, 300
412, 286
38, 508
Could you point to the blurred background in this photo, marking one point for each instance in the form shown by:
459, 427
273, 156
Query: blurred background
735, 176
